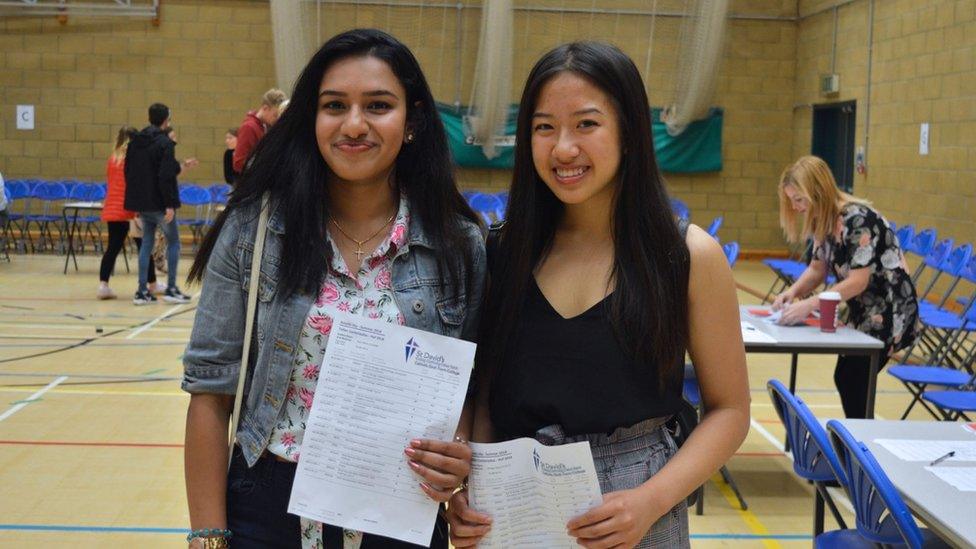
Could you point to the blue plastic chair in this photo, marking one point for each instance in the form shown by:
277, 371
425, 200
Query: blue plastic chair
922, 246
5, 232
18, 206
881, 515
48, 194
715, 226
937, 338
199, 199
489, 207
218, 199
88, 226
950, 264
813, 457
731, 252
680, 209
219, 192
954, 405
905, 234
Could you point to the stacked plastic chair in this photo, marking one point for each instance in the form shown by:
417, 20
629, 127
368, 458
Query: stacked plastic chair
488, 206
881, 516
715, 226
921, 246
955, 404
48, 219
197, 199
680, 209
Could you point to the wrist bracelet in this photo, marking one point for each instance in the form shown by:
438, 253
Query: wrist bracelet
209, 543
210, 533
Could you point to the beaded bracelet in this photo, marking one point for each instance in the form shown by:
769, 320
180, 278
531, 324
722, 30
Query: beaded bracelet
209, 533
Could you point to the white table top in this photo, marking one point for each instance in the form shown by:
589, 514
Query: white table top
943, 508
805, 336
84, 205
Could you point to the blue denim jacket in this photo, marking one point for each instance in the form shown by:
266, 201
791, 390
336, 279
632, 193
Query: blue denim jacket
212, 359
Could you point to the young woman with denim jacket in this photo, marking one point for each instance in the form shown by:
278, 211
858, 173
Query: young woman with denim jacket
365, 216
596, 294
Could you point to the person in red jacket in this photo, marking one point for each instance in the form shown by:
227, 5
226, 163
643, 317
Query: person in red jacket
117, 217
255, 124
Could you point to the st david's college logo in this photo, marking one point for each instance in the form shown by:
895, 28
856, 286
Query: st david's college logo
410, 348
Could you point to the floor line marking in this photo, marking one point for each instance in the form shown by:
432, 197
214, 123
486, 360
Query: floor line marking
747, 516
155, 321
182, 531
17, 407
90, 444
132, 377
99, 393
767, 435
839, 496
94, 529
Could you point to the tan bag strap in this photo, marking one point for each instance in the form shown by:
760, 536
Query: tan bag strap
252, 301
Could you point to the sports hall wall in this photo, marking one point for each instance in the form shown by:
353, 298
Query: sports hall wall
923, 69
211, 60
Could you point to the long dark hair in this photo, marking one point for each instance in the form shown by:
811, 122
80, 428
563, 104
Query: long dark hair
287, 162
648, 307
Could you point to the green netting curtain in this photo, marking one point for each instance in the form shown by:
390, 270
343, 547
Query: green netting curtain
697, 149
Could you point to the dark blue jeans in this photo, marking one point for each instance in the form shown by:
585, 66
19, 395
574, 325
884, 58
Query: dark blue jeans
257, 511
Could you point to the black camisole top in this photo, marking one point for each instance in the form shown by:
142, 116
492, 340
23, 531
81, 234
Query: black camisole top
573, 372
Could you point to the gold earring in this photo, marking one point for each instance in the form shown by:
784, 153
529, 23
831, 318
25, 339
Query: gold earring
409, 138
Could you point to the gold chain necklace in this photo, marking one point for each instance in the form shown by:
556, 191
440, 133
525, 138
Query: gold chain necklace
359, 243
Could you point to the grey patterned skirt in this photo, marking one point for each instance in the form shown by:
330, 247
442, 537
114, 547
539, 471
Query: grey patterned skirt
625, 459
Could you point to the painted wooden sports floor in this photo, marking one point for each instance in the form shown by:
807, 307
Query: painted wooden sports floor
91, 420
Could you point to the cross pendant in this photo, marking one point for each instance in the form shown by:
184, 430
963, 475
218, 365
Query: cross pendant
360, 253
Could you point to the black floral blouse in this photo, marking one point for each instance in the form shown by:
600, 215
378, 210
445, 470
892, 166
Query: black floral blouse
888, 308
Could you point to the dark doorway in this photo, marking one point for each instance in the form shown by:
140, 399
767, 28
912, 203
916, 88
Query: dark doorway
833, 139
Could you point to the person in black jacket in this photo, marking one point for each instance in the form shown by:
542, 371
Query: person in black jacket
151, 191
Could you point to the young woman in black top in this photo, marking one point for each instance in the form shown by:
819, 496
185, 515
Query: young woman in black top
595, 296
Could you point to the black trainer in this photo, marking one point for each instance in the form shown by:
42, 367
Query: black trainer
144, 298
174, 295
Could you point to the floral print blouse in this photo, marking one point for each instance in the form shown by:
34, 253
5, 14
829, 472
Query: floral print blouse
888, 308
369, 293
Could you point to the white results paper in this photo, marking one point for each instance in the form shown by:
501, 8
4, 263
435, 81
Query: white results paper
381, 385
961, 478
531, 491
929, 450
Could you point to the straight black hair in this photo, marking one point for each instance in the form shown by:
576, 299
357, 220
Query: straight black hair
158, 113
287, 163
649, 304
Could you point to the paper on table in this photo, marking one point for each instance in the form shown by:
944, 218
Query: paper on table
751, 334
774, 318
531, 491
961, 478
380, 386
929, 450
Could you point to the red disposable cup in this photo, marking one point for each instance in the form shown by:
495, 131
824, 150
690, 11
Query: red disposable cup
828, 311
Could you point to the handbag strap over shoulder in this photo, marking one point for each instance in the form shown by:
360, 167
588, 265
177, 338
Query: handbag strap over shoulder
252, 300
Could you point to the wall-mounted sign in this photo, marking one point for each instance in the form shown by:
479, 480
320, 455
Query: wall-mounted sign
25, 117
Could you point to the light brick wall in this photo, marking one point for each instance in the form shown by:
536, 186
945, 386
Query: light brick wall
208, 61
211, 60
922, 71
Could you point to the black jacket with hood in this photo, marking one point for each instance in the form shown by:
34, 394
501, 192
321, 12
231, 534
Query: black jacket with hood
150, 172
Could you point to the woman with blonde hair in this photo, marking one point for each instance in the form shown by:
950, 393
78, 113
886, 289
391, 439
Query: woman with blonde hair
115, 214
852, 241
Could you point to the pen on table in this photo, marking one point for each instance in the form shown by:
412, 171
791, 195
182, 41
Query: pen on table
943, 458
